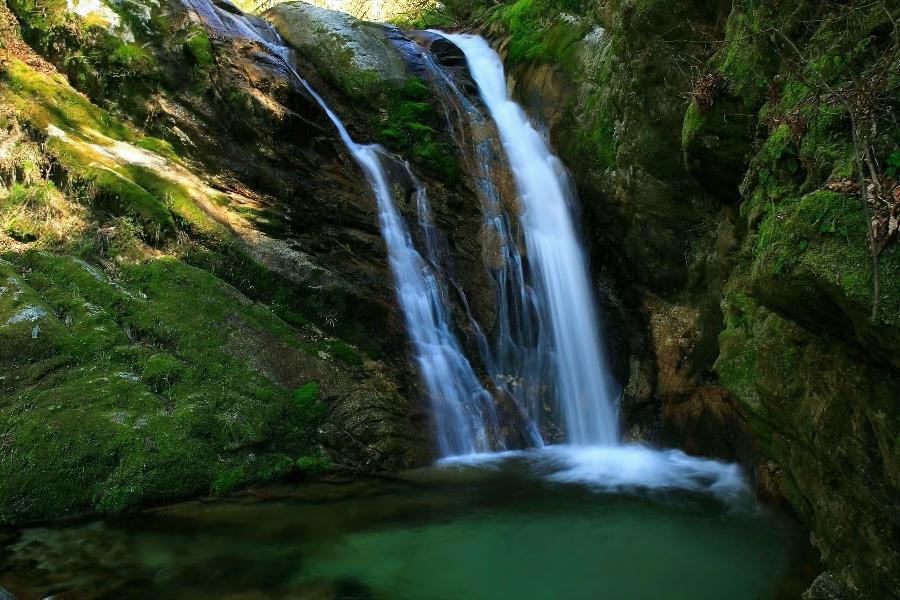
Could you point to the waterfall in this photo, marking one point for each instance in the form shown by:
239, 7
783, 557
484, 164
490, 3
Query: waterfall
546, 312
547, 329
464, 413
585, 391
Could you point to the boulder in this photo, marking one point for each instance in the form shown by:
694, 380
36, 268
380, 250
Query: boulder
356, 55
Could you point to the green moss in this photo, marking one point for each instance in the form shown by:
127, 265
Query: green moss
161, 147
229, 480
313, 466
823, 235
693, 121
178, 200
334, 62
306, 395
198, 48
138, 395
539, 31
161, 371
345, 352
129, 383
747, 59
97, 61
121, 196
736, 365
34, 212
308, 402
50, 101
411, 127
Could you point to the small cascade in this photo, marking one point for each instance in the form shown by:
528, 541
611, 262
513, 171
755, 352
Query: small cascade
517, 356
464, 414
559, 317
545, 342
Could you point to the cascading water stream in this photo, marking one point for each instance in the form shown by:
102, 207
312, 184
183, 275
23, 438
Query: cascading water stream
463, 409
464, 412
585, 391
518, 357
545, 308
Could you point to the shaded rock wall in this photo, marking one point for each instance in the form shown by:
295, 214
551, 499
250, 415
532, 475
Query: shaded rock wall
729, 241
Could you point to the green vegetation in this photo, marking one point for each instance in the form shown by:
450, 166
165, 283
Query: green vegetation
39, 213
125, 374
97, 60
411, 127
545, 30
129, 391
313, 466
46, 100
821, 236
198, 48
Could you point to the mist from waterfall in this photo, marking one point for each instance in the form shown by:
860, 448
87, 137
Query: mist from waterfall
584, 389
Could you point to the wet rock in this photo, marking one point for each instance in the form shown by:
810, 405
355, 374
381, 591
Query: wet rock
826, 586
445, 52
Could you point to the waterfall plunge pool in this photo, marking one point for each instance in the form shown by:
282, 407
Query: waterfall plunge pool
519, 526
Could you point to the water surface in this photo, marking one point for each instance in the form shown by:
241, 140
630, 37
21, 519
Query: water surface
505, 528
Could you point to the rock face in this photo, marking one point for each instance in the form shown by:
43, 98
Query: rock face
718, 183
193, 312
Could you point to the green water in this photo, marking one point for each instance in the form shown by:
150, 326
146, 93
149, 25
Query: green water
434, 534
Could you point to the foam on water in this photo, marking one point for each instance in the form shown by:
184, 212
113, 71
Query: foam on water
624, 468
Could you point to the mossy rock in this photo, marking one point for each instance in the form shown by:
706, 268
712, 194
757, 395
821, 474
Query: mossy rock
717, 143
358, 57
828, 415
135, 395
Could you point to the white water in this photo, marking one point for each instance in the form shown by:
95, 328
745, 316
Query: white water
624, 468
463, 410
517, 354
585, 391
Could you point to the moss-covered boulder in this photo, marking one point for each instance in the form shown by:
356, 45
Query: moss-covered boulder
356, 55
827, 414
